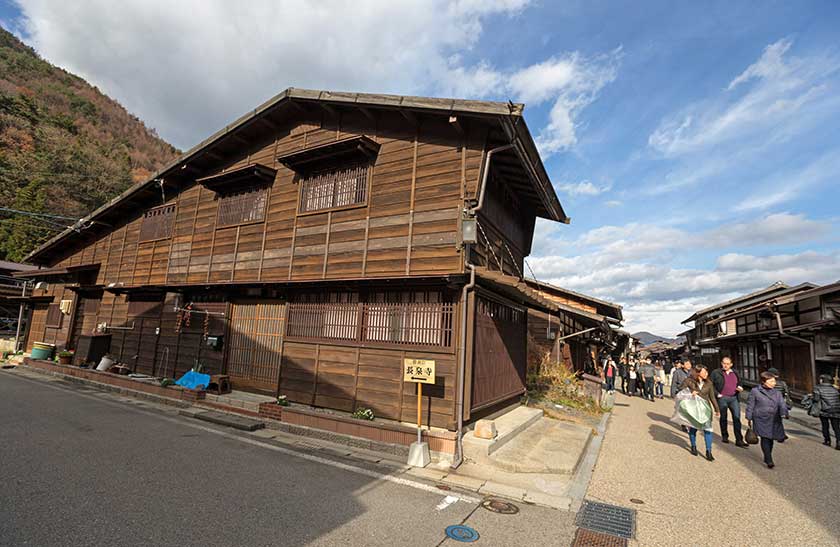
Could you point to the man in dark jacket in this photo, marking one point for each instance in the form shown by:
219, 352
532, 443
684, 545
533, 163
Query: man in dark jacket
728, 386
827, 400
647, 372
681, 372
782, 386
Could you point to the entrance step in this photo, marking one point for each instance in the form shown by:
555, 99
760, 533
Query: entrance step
508, 426
549, 446
230, 420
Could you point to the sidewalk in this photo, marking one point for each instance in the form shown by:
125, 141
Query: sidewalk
685, 500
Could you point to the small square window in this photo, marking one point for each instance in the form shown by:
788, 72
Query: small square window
157, 223
334, 188
242, 207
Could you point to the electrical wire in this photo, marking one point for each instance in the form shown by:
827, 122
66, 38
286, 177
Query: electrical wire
34, 214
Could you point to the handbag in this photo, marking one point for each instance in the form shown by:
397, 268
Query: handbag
750, 436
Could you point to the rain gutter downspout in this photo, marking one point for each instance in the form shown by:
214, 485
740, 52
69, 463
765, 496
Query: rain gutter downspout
485, 174
805, 340
20, 319
462, 369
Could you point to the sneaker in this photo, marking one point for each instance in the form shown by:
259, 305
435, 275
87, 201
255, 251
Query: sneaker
724, 440
827, 442
741, 444
770, 465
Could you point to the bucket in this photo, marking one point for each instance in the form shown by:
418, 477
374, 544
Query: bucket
42, 351
105, 363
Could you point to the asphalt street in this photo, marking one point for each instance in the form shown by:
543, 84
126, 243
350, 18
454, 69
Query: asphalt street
79, 467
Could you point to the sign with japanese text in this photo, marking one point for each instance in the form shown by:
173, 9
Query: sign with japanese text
419, 370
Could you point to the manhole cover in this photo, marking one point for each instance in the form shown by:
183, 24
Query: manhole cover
461, 533
499, 506
588, 538
609, 519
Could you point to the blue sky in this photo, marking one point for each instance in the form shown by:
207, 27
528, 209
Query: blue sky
696, 146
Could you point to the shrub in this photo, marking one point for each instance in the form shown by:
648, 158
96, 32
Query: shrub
363, 414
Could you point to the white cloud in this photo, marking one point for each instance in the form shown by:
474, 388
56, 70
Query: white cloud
583, 188
634, 264
785, 91
189, 67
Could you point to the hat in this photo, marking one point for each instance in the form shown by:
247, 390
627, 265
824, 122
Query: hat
773, 370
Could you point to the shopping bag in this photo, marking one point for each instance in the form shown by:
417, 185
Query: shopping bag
678, 418
698, 411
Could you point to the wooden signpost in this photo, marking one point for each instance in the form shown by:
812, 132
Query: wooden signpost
420, 371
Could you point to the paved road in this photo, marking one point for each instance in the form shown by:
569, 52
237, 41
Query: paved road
734, 500
78, 467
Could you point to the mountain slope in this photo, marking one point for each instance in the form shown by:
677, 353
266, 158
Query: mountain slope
646, 338
65, 147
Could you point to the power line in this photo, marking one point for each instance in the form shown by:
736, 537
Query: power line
34, 214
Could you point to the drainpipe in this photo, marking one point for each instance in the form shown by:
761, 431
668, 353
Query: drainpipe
484, 176
20, 319
462, 369
805, 340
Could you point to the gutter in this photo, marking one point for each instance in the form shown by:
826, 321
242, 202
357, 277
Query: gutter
462, 369
485, 175
805, 340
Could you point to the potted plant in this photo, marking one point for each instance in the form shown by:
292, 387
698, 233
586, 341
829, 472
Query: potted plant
65, 357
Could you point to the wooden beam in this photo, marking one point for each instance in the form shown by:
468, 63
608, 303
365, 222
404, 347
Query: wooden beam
408, 115
329, 109
268, 123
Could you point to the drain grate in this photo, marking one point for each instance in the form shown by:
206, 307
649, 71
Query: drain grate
608, 519
588, 538
499, 506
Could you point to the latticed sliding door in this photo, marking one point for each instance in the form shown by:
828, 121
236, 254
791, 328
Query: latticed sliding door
256, 330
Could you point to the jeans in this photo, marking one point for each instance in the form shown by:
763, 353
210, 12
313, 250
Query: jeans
649, 388
707, 438
835, 425
659, 389
610, 381
734, 406
767, 449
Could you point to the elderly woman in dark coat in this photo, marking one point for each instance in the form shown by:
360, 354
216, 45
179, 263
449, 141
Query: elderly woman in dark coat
765, 409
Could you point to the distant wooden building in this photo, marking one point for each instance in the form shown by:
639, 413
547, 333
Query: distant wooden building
311, 246
793, 329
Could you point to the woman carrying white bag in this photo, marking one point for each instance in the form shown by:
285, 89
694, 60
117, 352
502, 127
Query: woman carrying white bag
694, 405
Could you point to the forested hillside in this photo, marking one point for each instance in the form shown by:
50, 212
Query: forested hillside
65, 148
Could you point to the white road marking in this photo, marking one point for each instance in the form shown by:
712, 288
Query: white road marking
309, 457
447, 501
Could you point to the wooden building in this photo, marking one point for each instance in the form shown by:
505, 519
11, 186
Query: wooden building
311, 246
793, 329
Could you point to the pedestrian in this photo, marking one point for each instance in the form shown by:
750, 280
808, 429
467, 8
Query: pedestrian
647, 372
622, 374
660, 380
765, 409
609, 373
826, 399
728, 386
700, 385
631, 380
678, 376
781, 386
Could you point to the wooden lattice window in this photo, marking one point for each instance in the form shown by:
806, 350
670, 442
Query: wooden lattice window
157, 223
54, 316
397, 318
334, 188
242, 207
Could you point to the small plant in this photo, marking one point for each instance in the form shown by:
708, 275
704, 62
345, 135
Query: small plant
282, 400
363, 414
65, 354
166, 382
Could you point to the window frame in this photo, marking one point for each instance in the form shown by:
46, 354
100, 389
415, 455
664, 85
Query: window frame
54, 306
222, 195
147, 214
303, 177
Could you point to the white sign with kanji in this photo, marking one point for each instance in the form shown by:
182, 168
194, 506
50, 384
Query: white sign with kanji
419, 370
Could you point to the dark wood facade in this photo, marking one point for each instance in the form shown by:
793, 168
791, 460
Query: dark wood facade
319, 238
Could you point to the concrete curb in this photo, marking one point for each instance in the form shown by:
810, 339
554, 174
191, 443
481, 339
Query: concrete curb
586, 465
